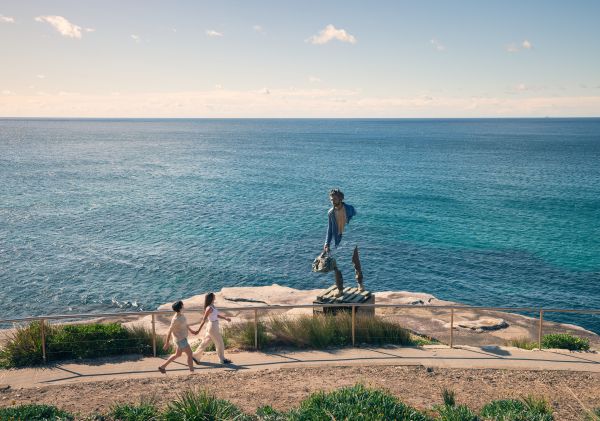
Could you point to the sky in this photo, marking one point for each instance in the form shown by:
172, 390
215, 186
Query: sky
220, 59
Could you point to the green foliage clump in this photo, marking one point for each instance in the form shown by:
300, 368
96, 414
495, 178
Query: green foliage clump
33, 412
74, 341
354, 403
145, 411
527, 409
200, 406
317, 332
565, 341
554, 341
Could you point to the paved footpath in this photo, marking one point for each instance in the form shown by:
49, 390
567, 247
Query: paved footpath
439, 356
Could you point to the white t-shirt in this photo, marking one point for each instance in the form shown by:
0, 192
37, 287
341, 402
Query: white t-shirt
179, 327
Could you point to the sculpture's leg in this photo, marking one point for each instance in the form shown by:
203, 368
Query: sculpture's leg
357, 269
339, 282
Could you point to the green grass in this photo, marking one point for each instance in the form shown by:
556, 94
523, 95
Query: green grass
74, 341
354, 403
554, 341
349, 403
449, 411
144, 411
523, 343
526, 409
319, 331
195, 405
34, 412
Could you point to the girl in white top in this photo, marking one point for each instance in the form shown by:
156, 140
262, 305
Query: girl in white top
212, 331
179, 330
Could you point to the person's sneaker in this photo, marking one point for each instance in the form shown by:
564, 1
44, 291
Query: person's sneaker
196, 360
361, 288
226, 361
162, 370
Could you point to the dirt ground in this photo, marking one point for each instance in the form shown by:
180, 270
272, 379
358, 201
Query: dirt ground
569, 393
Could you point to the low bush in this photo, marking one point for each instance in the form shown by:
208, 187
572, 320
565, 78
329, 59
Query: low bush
196, 405
74, 341
354, 403
565, 341
33, 412
554, 341
317, 331
144, 411
527, 409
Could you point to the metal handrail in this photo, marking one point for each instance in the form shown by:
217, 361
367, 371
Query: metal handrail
43, 319
292, 306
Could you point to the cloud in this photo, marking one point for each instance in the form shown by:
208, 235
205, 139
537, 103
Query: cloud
63, 26
259, 29
515, 48
136, 38
330, 33
314, 79
437, 45
213, 34
6, 19
40, 76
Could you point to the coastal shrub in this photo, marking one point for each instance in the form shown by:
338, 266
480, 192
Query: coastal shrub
354, 403
195, 405
527, 409
554, 341
317, 331
565, 341
75, 341
34, 412
23, 347
144, 411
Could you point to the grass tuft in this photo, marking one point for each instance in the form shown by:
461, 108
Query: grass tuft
449, 397
526, 409
34, 412
144, 411
194, 405
354, 403
317, 332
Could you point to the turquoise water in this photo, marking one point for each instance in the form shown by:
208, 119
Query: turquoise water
103, 215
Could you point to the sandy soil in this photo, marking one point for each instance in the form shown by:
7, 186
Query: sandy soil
570, 394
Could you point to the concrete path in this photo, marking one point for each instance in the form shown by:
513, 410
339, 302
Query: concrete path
431, 356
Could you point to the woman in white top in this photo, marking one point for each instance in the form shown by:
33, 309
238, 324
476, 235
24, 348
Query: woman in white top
179, 330
212, 330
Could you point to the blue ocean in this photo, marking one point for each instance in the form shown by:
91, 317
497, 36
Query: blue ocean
124, 215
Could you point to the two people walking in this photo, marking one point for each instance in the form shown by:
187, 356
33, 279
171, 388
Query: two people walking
179, 328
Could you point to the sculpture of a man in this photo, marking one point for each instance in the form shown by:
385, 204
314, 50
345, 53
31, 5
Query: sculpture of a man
338, 218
